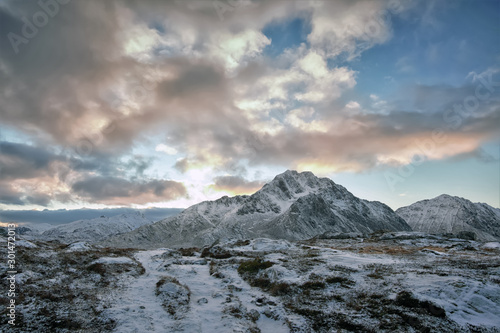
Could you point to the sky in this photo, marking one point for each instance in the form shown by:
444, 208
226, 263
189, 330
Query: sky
138, 104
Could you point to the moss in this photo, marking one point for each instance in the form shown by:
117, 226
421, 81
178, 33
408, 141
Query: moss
375, 275
315, 285
216, 253
97, 268
280, 289
343, 281
189, 252
407, 299
242, 243
261, 283
253, 266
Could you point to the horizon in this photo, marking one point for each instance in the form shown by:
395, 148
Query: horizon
63, 216
159, 105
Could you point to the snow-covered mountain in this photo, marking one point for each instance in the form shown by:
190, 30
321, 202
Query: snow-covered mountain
27, 228
292, 206
95, 229
449, 214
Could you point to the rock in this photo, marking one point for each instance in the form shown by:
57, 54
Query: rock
202, 300
232, 287
216, 295
253, 315
260, 301
174, 296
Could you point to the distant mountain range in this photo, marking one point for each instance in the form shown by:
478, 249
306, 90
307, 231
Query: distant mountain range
33, 218
292, 206
453, 215
91, 230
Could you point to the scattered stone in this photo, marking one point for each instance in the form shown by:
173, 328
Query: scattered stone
232, 287
253, 315
202, 300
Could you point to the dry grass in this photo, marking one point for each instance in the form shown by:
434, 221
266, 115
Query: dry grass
391, 250
394, 250
434, 248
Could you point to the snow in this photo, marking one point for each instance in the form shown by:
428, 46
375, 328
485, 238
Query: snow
278, 272
360, 282
281, 209
79, 246
25, 243
22, 277
434, 252
491, 245
269, 325
210, 295
264, 244
113, 260
138, 309
95, 229
453, 215
36, 228
465, 301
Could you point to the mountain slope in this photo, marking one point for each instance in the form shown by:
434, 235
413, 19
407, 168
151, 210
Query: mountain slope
95, 229
292, 206
449, 214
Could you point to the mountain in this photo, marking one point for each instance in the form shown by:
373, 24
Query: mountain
449, 214
27, 229
292, 206
95, 229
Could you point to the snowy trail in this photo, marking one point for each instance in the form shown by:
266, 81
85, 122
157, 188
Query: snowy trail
138, 309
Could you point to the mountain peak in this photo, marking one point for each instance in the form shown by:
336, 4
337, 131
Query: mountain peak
294, 205
447, 197
452, 214
296, 174
292, 184
288, 172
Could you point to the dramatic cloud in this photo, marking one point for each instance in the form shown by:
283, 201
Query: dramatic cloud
32, 175
20, 161
119, 191
128, 94
10, 196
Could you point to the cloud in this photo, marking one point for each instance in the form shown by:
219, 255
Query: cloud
353, 105
302, 119
235, 50
10, 196
350, 27
182, 165
23, 161
236, 185
118, 75
31, 175
104, 77
119, 191
166, 149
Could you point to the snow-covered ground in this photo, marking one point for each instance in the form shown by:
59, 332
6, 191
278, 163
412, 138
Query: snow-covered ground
353, 284
139, 309
393, 282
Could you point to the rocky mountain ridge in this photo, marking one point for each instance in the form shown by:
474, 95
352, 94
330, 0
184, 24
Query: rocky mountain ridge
292, 206
93, 230
448, 214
